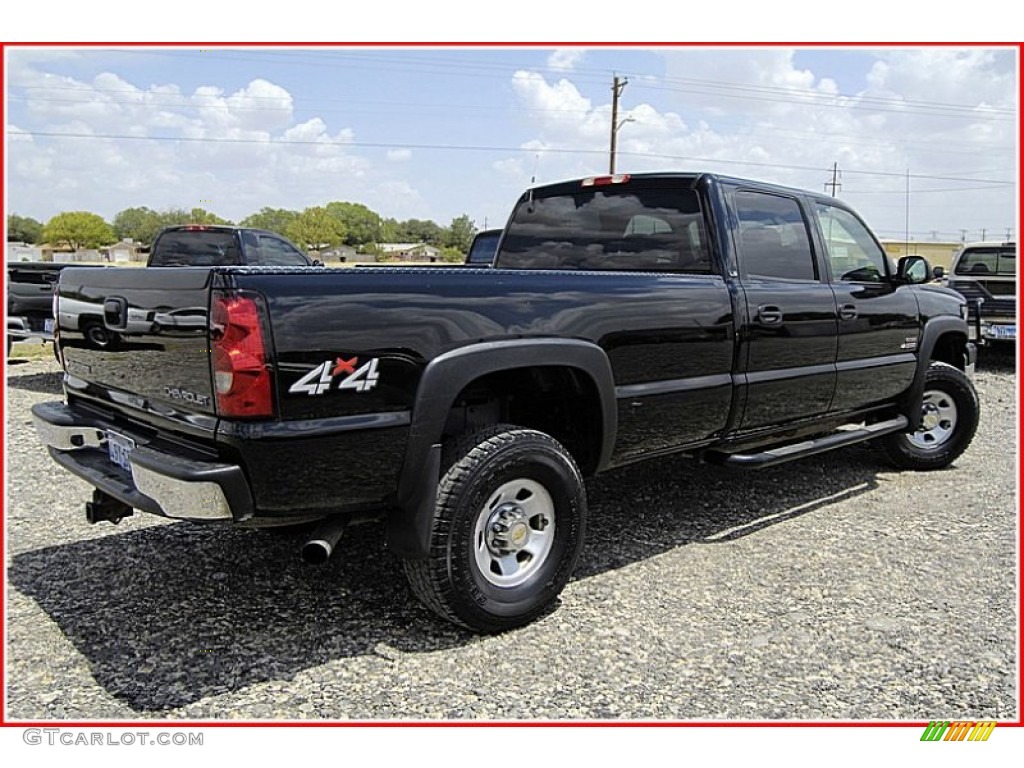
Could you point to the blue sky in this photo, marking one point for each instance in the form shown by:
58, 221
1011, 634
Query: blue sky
435, 133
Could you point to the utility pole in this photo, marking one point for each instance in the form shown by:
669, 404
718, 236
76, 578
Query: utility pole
983, 231
835, 180
618, 84
907, 221
963, 235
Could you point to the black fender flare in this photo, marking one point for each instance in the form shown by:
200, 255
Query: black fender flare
409, 525
933, 330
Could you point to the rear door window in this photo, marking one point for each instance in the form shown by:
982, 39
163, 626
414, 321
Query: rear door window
774, 241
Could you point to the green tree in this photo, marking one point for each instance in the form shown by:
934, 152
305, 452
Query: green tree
418, 231
173, 216
389, 229
23, 229
452, 255
315, 229
141, 224
78, 229
275, 219
203, 216
361, 224
459, 233
169, 217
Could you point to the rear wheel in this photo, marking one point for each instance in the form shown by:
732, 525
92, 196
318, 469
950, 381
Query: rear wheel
508, 527
949, 418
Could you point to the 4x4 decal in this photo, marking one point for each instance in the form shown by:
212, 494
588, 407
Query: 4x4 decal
319, 380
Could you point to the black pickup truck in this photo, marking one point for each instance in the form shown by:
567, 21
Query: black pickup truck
217, 245
986, 275
625, 317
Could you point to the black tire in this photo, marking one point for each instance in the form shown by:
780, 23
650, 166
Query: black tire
951, 412
480, 576
96, 335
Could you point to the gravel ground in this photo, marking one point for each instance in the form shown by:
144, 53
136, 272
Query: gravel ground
832, 588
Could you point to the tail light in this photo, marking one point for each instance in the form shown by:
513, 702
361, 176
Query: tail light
240, 375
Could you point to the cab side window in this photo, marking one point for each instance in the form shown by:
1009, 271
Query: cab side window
272, 251
853, 254
774, 241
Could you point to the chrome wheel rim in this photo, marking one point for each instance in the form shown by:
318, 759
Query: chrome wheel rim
938, 420
514, 533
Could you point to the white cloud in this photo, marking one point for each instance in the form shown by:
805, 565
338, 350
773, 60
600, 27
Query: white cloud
565, 59
395, 199
240, 150
14, 133
399, 155
757, 113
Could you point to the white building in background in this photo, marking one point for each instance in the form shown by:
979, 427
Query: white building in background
23, 252
410, 251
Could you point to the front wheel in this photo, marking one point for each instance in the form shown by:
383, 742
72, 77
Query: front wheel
508, 528
949, 418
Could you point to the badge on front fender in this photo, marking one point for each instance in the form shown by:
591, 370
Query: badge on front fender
320, 379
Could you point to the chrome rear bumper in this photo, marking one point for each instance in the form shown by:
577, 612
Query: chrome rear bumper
158, 482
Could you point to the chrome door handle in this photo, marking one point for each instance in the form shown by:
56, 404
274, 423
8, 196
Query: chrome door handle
769, 314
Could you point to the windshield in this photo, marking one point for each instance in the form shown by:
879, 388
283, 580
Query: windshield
627, 227
994, 260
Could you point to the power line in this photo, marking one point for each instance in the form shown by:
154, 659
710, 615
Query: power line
487, 112
478, 148
499, 70
831, 101
921, 191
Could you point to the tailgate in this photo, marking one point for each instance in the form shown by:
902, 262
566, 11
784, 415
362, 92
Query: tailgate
30, 287
142, 332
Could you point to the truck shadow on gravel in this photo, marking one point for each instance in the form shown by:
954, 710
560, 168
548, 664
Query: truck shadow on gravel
997, 358
172, 614
44, 383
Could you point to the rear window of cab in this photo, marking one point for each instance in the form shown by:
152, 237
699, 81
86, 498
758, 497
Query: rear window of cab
620, 228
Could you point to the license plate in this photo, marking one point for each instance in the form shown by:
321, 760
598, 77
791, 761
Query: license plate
1002, 331
119, 448
48, 325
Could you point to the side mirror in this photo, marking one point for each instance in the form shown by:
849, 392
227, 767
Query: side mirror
317, 263
913, 269
938, 273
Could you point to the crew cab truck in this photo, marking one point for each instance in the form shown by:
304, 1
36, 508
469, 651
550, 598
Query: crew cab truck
625, 317
985, 274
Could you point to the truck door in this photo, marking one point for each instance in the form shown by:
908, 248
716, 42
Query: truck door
787, 348
878, 319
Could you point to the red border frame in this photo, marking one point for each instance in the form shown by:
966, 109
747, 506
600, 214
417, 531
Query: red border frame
177, 724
